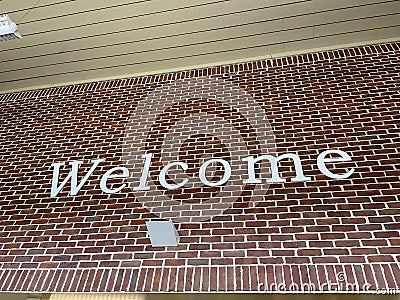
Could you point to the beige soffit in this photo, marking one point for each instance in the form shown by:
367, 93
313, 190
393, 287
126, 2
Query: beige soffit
75, 41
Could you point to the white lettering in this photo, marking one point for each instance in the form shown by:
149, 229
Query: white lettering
251, 161
145, 173
123, 172
163, 173
321, 160
227, 172
108, 175
73, 175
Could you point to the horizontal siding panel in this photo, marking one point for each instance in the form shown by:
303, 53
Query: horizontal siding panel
146, 46
18, 9
78, 7
76, 33
341, 15
12, 6
160, 20
73, 7
146, 67
53, 10
161, 32
322, 5
166, 11
292, 1
89, 40
359, 25
141, 57
345, 38
9, 6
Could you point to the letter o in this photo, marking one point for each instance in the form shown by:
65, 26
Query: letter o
225, 178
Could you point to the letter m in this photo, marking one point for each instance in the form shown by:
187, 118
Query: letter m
251, 161
72, 175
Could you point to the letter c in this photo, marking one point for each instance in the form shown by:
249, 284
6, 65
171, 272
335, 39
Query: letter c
163, 173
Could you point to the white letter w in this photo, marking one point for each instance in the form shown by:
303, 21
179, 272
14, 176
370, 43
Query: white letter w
73, 175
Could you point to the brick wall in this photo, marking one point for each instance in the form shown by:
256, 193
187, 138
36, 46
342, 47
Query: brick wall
329, 233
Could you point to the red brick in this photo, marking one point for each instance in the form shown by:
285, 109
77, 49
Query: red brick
363, 251
370, 243
297, 260
380, 258
311, 104
309, 252
324, 260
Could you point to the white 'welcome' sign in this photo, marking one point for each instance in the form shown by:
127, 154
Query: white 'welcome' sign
252, 178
